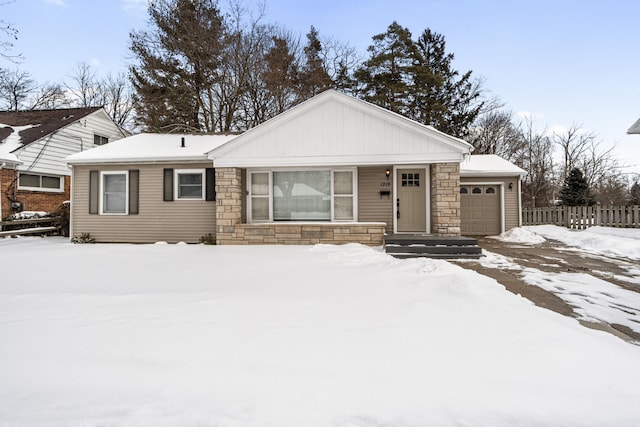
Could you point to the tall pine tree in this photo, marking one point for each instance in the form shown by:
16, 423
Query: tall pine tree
313, 77
575, 191
417, 79
177, 63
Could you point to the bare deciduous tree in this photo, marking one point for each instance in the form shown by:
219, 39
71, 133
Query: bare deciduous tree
495, 133
15, 89
538, 162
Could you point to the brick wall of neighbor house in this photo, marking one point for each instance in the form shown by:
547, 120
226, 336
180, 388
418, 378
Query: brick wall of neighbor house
6, 177
445, 199
31, 200
231, 227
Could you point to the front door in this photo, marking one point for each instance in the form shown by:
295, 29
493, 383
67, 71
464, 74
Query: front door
411, 213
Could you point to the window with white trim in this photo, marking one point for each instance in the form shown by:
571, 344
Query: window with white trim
302, 195
115, 192
36, 182
189, 184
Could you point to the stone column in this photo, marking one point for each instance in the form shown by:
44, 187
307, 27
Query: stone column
229, 189
445, 199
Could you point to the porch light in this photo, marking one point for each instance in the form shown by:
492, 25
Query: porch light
511, 186
387, 173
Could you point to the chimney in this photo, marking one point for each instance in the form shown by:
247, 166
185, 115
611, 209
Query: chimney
182, 142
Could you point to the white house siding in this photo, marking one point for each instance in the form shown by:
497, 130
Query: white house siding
511, 200
372, 206
47, 156
175, 221
337, 130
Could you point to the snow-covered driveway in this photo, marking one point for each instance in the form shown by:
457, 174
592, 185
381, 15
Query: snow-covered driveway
193, 335
596, 272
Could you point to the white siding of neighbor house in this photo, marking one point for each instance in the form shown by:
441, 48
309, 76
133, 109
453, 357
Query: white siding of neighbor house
334, 129
372, 207
47, 155
174, 221
511, 200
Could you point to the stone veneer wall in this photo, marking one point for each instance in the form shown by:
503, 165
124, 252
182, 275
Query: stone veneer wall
369, 233
445, 199
231, 229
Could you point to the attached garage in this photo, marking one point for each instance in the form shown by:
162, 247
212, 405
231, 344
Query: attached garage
489, 195
480, 209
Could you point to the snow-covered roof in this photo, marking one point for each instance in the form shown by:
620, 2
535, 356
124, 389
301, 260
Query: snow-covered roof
635, 128
149, 147
9, 158
20, 128
488, 165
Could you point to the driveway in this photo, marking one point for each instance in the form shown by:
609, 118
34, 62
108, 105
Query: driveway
555, 257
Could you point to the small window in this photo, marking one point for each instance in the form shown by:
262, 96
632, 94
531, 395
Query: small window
410, 180
33, 182
464, 190
114, 192
189, 184
490, 190
476, 190
100, 140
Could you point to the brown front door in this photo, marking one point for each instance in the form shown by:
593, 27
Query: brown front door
411, 214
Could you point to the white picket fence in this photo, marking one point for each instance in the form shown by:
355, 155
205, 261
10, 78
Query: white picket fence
580, 217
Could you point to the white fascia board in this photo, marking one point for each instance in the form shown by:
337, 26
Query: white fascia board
370, 160
121, 160
489, 174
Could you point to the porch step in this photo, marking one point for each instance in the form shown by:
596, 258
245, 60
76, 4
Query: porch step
412, 246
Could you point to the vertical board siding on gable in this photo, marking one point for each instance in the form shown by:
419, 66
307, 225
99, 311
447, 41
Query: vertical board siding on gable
371, 206
157, 220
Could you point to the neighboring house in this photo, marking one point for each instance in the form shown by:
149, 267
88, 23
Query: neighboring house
33, 147
333, 169
635, 128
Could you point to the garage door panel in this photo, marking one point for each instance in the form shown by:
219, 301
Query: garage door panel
480, 212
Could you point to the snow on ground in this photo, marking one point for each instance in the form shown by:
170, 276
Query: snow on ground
607, 241
594, 299
520, 235
195, 335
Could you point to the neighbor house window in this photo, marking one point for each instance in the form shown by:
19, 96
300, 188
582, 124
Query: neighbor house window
189, 184
36, 182
114, 192
100, 140
309, 195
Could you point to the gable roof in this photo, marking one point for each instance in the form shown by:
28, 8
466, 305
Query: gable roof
151, 147
336, 129
20, 128
488, 165
635, 128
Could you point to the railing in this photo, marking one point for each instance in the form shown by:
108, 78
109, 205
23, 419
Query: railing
580, 217
26, 226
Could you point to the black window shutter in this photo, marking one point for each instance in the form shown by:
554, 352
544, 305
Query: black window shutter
168, 185
94, 192
211, 184
134, 185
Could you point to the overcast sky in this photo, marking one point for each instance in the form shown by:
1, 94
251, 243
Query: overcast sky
561, 61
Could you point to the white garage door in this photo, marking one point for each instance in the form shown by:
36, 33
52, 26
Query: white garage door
480, 209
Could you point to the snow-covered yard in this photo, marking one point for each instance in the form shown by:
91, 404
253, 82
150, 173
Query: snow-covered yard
194, 335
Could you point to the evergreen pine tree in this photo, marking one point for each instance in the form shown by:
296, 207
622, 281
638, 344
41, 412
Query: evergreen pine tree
634, 194
313, 77
417, 80
177, 62
575, 191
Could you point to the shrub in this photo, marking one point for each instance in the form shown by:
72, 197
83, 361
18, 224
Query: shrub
207, 239
83, 238
60, 218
